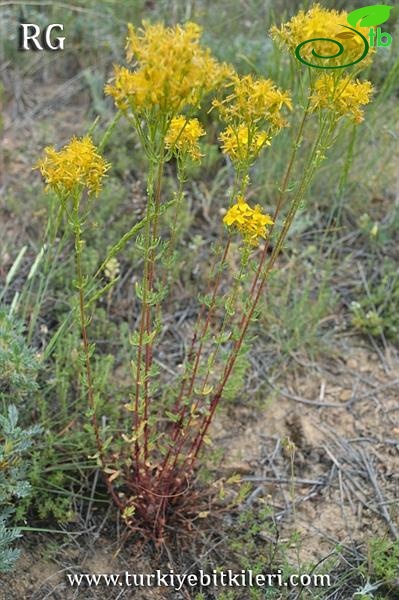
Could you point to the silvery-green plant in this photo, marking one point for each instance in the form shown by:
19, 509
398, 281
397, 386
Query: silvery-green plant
14, 444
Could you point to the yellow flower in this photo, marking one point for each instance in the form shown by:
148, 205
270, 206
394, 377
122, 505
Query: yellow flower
242, 143
253, 113
343, 96
254, 101
319, 22
250, 222
183, 135
127, 87
77, 164
172, 70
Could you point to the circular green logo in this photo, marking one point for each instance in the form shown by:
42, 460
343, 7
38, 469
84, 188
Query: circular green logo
341, 50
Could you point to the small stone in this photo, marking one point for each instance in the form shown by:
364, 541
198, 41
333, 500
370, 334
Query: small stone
345, 395
241, 468
352, 363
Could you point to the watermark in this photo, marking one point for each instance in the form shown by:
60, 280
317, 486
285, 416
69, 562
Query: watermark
32, 38
201, 579
367, 16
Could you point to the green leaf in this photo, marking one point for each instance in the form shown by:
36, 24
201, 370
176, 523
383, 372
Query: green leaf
12, 272
134, 339
12, 416
369, 16
148, 338
101, 292
172, 416
346, 35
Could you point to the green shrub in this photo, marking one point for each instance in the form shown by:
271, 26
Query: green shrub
14, 444
18, 364
383, 560
377, 312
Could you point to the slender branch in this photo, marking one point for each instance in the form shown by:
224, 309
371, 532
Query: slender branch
175, 447
262, 277
148, 322
86, 347
144, 318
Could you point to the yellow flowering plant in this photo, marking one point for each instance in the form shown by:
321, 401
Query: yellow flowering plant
316, 35
253, 113
342, 96
183, 137
76, 165
250, 222
325, 27
149, 457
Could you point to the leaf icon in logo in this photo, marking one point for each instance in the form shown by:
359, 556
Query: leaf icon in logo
369, 16
345, 35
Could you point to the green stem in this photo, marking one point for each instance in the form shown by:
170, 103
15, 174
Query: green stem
151, 278
262, 276
143, 318
80, 282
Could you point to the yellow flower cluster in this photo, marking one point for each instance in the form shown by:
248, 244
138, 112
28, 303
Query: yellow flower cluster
319, 22
253, 113
172, 70
250, 222
254, 101
77, 164
183, 135
343, 96
242, 145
